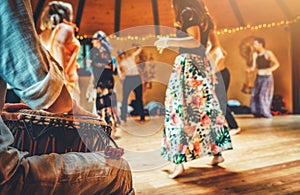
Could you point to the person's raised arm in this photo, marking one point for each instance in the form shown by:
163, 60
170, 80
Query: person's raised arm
191, 41
137, 52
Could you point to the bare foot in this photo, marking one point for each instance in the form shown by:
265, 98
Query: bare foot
235, 131
178, 170
216, 160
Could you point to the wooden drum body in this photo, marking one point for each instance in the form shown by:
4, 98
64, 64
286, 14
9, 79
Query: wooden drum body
39, 132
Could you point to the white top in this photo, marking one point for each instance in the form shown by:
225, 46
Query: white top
128, 64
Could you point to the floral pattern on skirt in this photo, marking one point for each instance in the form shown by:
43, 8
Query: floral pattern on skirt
194, 123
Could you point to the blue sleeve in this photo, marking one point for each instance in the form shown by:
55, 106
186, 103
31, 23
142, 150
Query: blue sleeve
25, 65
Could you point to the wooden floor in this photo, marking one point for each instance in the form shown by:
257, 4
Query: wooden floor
265, 160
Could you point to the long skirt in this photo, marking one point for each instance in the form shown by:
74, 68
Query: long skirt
261, 96
194, 123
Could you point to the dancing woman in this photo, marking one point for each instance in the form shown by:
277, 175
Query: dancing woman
262, 93
102, 77
59, 39
194, 123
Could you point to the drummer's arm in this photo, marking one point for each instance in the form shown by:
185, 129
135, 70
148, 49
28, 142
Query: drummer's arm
63, 103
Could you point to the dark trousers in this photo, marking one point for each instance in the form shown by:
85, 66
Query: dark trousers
221, 91
133, 83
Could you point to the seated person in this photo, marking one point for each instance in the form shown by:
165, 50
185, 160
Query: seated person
38, 80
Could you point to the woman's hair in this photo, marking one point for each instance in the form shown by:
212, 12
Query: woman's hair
56, 12
261, 41
101, 36
197, 5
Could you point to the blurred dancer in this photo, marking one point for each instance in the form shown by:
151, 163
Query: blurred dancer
262, 93
59, 39
223, 80
102, 78
132, 81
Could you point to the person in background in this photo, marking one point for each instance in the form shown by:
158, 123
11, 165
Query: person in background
194, 123
262, 93
131, 81
59, 38
39, 81
102, 79
223, 80
114, 97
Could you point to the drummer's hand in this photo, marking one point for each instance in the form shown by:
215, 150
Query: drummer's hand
10, 111
79, 111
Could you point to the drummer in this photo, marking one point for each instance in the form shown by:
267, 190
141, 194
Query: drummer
38, 80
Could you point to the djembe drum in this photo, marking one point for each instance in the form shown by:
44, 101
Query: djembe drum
40, 132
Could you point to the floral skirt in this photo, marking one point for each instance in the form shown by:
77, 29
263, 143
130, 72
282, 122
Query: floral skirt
194, 123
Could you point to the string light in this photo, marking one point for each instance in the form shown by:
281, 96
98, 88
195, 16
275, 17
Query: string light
219, 32
139, 38
259, 26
